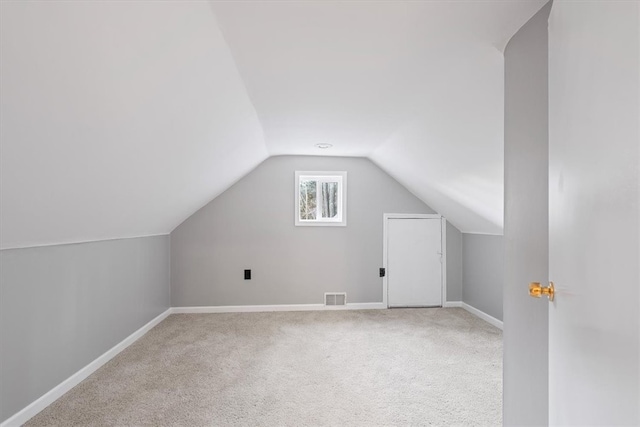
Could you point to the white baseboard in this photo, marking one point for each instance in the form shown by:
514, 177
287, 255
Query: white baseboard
484, 316
366, 306
52, 395
281, 307
451, 304
481, 314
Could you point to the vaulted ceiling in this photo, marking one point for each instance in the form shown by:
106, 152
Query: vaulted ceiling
121, 119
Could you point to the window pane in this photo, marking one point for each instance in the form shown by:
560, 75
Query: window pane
329, 199
308, 200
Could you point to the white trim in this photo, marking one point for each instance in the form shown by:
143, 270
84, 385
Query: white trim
80, 242
481, 314
281, 307
481, 233
452, 304
366, 306
410, 216
245, 308
385, 261
55, 393
443, 259
484, 316
385, 241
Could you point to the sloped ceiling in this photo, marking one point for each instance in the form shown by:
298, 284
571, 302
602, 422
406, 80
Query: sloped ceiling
415, 86
121, 119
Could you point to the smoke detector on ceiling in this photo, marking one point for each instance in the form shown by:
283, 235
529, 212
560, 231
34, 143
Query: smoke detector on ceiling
324, 146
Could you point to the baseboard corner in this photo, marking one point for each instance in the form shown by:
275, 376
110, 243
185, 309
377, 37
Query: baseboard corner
452, 304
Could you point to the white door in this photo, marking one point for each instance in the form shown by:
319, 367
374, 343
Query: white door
594, 232
414, 262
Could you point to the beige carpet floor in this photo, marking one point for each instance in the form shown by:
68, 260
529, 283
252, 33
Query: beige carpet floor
340, 368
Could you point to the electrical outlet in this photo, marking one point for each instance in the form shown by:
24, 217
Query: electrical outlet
383, 272
247, 275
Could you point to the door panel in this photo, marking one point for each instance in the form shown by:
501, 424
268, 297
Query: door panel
525, 334
414, 266
594, 322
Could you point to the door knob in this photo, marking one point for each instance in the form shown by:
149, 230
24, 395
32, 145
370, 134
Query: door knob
536, 291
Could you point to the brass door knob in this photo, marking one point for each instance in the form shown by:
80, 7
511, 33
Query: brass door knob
536, 291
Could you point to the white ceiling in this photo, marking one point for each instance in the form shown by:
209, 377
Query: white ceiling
121, 119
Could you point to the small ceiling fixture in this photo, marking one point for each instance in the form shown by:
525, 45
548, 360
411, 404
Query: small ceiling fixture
324, 146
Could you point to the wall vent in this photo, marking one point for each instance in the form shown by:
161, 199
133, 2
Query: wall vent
335, 298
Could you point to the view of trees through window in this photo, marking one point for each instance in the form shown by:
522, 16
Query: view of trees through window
316, 204
329, 199
308, 200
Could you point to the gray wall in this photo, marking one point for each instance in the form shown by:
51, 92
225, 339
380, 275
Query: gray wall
483, 272
63, 306
454, 263
251, 226
526, 230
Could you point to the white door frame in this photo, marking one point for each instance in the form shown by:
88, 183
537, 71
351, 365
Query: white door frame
385, 239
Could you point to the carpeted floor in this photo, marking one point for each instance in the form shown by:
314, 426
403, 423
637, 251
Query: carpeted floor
351, 368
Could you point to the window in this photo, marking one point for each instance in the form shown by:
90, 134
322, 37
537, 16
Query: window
321, 198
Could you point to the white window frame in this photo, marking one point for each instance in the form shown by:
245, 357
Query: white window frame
332, 176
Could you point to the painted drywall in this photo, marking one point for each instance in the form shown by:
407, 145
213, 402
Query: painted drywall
251, 226
594, 213
63, 306
526, 223
119, 119
483, 272
454, 263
